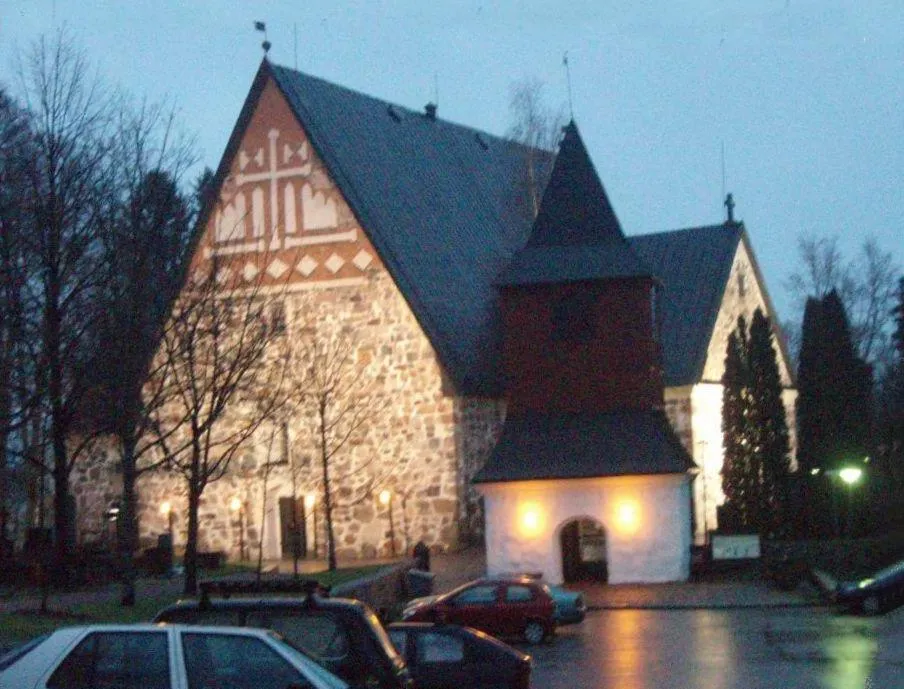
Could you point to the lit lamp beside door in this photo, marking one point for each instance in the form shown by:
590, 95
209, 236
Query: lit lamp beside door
310, 503
238, 507
385, 498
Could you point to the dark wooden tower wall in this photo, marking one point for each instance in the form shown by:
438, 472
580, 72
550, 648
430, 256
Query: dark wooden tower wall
582, 347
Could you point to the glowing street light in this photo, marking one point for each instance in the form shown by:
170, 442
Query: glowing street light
850, 475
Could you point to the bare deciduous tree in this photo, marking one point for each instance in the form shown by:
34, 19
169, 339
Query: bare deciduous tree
221, 378
865, 284
14, 396
539, 129
68, 175
146, 240
340, 397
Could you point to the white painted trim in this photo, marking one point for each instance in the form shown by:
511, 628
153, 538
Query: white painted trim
303, 286
350, 236
248, 247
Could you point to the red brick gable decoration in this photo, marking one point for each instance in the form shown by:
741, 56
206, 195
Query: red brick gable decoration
279, 218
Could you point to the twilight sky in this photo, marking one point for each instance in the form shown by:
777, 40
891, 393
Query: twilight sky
806, 96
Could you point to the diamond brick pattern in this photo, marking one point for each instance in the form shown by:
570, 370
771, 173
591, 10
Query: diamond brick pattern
277, 269
362, 259
306, 266
250, 272
334, 263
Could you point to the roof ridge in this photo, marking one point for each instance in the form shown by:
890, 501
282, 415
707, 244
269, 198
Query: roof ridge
407, 110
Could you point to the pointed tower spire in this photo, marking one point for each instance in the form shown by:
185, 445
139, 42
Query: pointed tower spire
576, 235
575, 208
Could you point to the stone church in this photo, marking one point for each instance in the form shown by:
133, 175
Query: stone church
418, 236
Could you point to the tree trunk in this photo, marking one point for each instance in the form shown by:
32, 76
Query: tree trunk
128, 536
327, 500
191, 544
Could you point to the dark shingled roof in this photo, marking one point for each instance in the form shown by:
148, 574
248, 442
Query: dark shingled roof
444, 205
447, 208
576, 235
568, 446
693, 266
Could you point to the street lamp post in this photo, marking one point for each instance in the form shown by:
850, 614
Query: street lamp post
310, 503
237, 506
850, 476
386, 500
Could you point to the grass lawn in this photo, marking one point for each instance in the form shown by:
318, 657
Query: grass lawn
17, 627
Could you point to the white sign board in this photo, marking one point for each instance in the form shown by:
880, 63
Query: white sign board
735, 547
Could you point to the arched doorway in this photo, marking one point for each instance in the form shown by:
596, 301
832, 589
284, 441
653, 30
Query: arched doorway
583, 543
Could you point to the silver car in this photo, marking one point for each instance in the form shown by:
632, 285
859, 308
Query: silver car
148, 656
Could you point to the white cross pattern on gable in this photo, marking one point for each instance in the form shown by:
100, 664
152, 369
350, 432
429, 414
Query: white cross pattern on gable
243, 205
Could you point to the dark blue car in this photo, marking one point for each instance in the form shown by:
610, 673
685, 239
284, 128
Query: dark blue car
882, 591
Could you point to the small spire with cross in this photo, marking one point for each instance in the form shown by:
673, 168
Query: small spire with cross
729, 206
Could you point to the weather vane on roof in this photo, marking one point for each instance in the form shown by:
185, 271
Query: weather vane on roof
568, 79
260, 26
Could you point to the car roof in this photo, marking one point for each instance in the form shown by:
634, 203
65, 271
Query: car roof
275, 602
77, 629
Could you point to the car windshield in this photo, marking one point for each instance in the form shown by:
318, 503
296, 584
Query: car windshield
302, 658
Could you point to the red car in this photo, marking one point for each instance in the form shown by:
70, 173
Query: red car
502, 607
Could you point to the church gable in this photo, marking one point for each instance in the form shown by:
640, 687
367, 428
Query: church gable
744, 292
279, 218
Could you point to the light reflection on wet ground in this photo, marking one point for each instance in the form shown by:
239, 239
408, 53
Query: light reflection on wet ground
724, 649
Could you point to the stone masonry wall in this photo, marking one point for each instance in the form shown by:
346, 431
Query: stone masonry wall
282, 220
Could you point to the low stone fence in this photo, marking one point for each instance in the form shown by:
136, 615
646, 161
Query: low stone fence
384, 590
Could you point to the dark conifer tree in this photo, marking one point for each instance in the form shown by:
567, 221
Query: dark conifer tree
754, 429
736, 468
811, 381
847, 394
833, 408
767, 425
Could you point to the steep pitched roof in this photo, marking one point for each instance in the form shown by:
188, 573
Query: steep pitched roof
447, 208
576, 235
693, 266
443, 204
568, 446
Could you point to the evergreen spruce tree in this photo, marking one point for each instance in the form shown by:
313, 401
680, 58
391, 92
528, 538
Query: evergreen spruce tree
897, 376
767, 426
755, 431
736, 468
834, 406
847, 396
811, 381
894, 400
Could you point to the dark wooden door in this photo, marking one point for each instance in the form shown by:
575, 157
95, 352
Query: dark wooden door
292, 528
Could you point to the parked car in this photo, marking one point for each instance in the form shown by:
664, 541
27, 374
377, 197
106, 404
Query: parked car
571, 608
147, 656
447, 656
502, 607
343, 635
878, 593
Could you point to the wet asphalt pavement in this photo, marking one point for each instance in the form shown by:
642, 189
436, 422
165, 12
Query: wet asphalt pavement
724, 649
